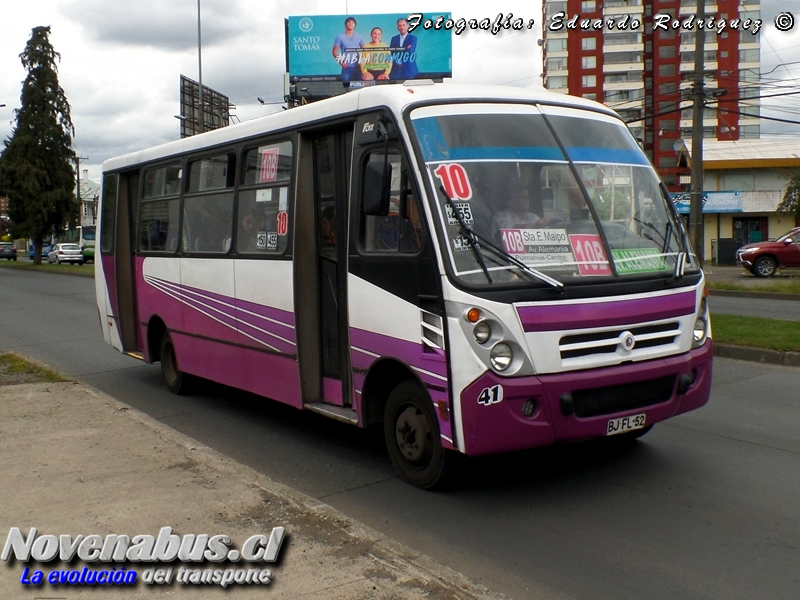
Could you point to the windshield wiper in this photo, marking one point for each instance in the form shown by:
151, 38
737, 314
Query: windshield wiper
472, 235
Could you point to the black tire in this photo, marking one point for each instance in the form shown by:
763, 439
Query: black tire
765, 267
411, 432
177, 381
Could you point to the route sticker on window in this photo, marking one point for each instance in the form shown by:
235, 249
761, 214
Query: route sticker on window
264, 195
454, 180
283, 222
589, 252
461, 244
545, 248
272, 240
464, 212
261, 240
638, 260
269, 164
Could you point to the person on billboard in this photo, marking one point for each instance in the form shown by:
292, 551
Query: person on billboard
346, 50
376, 59
404, 53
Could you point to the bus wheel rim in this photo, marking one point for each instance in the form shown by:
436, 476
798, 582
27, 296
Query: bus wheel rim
414, 435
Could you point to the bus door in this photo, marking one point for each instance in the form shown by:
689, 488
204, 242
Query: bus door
118, 223
320, 285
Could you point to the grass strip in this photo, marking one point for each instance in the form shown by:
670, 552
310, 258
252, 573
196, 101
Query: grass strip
11, 364
790, 286
756, 332
45, 267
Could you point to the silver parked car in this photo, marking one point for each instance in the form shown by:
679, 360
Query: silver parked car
66, 253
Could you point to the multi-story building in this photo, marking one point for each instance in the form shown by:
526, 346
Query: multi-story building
642, 66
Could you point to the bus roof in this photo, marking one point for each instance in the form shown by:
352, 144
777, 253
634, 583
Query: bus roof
395, 97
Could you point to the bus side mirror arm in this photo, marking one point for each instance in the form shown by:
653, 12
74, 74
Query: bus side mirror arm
376, 189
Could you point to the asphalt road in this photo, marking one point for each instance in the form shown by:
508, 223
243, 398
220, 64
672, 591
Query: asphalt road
766, 308
704, 506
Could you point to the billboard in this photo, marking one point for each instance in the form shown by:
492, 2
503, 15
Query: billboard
361, 50
216, 107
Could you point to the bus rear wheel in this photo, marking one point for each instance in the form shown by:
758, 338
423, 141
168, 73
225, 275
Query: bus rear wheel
411, 431
177, 381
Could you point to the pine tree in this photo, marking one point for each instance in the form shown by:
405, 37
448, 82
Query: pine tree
36, 166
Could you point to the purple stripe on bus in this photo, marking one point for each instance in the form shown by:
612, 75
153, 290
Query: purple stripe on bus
256, 329
284, 318
410, 353
553, 317
227, 309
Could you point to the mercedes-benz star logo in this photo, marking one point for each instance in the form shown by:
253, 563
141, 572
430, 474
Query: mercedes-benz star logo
627, 340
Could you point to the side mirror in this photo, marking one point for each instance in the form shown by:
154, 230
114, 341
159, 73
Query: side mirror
376, 189
788, 241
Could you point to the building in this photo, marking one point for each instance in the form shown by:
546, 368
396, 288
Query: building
88, 195
744, 182
642, 67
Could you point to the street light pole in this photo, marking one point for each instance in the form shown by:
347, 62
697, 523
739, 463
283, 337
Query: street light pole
200, 70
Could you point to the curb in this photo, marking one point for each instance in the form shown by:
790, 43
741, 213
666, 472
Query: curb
761, 355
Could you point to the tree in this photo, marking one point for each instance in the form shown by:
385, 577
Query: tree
791, 197
36, 166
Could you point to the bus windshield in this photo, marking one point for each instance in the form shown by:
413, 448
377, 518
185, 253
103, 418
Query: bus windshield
561, 193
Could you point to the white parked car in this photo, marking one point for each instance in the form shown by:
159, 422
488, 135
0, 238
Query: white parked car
66, 253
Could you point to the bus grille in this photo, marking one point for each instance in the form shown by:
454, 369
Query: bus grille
618, 398
609, 341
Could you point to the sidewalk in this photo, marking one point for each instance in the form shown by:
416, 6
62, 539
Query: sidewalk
78, 462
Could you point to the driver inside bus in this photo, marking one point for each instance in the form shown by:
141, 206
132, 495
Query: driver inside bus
517, 214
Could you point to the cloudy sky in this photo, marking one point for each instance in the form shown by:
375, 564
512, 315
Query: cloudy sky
121, 59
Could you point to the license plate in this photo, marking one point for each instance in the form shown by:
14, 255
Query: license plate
624, 424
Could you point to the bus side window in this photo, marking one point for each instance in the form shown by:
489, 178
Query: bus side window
401, 230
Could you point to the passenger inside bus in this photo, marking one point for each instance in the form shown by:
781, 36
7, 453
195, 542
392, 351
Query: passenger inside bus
250, 225
327, 228
517, 214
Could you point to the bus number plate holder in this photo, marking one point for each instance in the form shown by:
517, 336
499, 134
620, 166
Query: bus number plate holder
624, 424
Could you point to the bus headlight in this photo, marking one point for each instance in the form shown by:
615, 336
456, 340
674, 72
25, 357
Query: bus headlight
699, 333
501, 356
701, 324
482, 331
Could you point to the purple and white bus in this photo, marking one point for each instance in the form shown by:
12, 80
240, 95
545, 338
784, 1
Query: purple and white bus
478, 269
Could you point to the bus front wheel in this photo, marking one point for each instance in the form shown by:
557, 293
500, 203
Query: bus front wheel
412, 437
177, 381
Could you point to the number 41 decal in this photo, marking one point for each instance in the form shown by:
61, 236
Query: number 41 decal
491, 395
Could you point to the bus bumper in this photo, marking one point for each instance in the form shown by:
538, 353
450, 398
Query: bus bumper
580, 404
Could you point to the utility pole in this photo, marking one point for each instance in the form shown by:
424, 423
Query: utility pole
696, 223
78, 160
